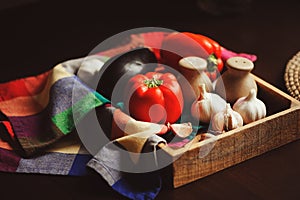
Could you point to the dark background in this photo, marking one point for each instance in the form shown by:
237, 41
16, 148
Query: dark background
35, 35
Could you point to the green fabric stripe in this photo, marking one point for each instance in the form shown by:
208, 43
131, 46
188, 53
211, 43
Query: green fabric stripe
100, 97
67, 119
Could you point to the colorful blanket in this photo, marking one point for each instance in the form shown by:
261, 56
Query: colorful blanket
38, 116
36, 113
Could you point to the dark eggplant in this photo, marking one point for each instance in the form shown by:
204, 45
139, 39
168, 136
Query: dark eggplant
117, 71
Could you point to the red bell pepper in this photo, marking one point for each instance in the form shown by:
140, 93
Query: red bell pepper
154, 97
179, 45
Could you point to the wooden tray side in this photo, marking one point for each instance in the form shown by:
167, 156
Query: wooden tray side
202, 158
236, 146
275, 99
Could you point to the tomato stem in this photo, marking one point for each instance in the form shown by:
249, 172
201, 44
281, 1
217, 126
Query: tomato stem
151, 83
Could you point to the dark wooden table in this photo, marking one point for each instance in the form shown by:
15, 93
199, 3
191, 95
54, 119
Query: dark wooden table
36, 36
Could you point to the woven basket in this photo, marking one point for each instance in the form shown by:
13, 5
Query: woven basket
291, 76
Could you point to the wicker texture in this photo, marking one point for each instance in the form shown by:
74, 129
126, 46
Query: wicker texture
291, 76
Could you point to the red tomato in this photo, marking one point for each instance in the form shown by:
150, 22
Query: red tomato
154, 97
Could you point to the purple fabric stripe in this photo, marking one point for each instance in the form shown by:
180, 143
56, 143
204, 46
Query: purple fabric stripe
65, 93
33, 125
9, 161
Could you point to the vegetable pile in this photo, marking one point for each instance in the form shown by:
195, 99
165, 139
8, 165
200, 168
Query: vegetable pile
153, 93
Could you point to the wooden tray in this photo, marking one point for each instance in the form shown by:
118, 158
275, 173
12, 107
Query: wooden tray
208, 154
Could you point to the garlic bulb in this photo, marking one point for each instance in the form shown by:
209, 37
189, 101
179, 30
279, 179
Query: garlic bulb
207, 105
250, 107
226, 120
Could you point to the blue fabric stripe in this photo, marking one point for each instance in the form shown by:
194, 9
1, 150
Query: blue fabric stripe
79, 165
139, 186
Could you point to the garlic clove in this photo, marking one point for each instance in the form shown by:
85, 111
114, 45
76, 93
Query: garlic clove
250, 107
226, 120
182, 130
207, 105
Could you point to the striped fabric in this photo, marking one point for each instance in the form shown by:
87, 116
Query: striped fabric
38, 115
40, 109
37, 112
